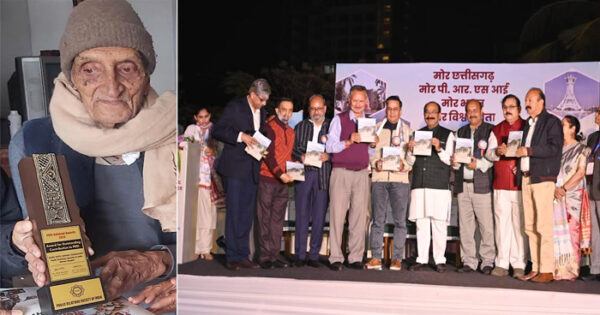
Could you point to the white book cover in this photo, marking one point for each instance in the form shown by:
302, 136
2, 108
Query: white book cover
367, 128
295, 170
313, 154
423, 142
463, 150
391, 157
26, 300
513, 143
258, 150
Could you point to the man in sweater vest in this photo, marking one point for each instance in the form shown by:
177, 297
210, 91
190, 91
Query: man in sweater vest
540, 153
473, 183
273, 186
349, 184
511, 240
389, 186
593, 180
313, 193
430, 191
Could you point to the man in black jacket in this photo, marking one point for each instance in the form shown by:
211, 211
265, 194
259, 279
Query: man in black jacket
593, 180
540, 153
239, 170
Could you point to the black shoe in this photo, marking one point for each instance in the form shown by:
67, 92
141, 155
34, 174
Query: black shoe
336, 266
590, 277
221, 242
266, 265
313, 263
464, 269
299, 263
357, 265
280, 264
440, 268
233, 266
416, 267
486, 270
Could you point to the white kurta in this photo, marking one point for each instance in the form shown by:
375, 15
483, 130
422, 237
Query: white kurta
428, 202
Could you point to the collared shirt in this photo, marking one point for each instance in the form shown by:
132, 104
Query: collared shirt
255, 119
334, 144
316, 130
525, 159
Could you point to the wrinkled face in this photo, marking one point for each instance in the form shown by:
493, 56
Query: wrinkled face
474, 113
316, 109
510, 110
358, 101
258, 101
568, 131
284, 111
598, 116
203, 117
112, 83
432, 115
393, 111
534, 103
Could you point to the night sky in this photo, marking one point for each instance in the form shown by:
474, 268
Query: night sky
247, 36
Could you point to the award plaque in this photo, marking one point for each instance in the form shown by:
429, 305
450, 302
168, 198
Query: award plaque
58, 232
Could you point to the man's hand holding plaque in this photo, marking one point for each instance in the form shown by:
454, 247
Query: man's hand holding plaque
53, 237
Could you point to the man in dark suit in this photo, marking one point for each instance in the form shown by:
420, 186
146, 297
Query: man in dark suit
540, 154
241, 118
593, 180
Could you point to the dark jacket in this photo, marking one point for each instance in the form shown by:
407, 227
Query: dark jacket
545, 150
430, 171
234, 161
304, 133
594, 181
482, 181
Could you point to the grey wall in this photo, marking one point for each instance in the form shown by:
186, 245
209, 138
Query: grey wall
28, 26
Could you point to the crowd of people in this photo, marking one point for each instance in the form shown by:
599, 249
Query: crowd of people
537, 201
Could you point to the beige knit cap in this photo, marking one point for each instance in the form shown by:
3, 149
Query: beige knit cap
104, 23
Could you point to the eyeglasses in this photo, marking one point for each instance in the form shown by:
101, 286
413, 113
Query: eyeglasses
315, 109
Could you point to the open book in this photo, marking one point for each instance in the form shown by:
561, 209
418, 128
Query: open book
259, 149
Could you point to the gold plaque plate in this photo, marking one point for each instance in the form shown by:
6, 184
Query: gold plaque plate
76, 293
65, 255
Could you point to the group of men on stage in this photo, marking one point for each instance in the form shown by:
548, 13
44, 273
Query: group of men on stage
507, 200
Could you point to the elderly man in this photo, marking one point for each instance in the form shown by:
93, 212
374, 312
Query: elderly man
349, 185
241, 118
389, 186
311, 194
540, 153
593, 180
511, 241
472, 184
118, 137
430, 190
272, 186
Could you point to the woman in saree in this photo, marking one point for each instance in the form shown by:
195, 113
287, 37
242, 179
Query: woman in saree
568, 203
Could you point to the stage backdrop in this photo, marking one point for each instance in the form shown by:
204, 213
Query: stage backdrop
570, 88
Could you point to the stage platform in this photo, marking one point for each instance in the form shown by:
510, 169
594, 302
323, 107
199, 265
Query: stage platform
207, 287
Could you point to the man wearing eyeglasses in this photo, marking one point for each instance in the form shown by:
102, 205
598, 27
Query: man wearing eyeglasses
312, 195
511, 241
593, 180
430, 191
241, 118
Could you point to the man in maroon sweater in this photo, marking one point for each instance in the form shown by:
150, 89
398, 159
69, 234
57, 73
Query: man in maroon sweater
349, 183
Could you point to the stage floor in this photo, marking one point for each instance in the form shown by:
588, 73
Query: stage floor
430, 277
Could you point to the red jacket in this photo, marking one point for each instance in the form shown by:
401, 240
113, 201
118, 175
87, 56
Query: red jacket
279, 151
503, 174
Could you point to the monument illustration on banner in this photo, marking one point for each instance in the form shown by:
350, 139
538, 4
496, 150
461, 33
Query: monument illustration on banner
572, 93
376, 93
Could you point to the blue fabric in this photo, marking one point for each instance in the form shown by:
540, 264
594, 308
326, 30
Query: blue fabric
241, 200
10, 213
311, 206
